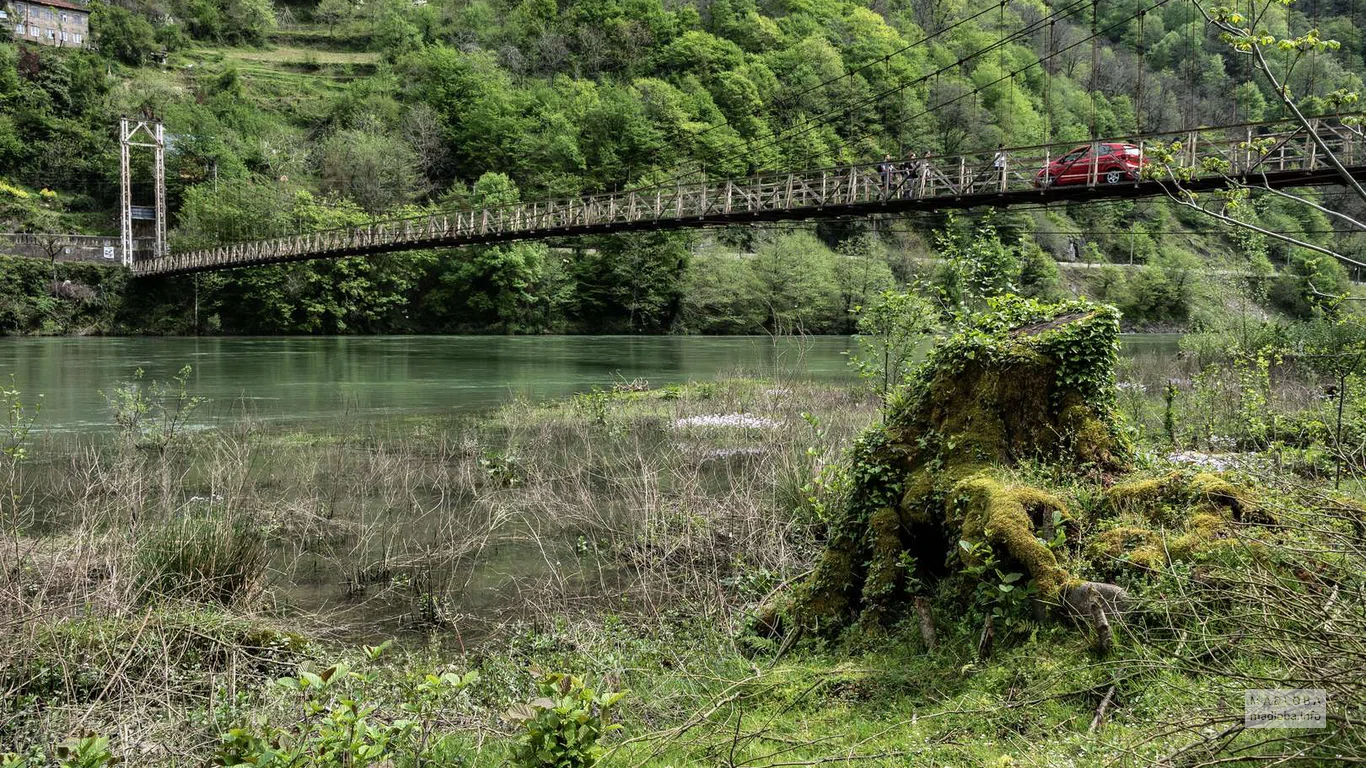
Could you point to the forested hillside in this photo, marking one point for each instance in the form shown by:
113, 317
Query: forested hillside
307, 116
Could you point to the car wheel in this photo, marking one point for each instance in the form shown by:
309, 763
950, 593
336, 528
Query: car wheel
1114, 177
1049, 181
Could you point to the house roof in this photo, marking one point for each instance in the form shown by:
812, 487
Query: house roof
60, 4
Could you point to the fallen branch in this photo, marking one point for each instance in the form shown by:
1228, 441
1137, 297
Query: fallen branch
1101, 710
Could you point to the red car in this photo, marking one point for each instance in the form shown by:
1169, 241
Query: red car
1115, 163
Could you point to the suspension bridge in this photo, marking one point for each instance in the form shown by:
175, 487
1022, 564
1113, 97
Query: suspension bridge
1275, 154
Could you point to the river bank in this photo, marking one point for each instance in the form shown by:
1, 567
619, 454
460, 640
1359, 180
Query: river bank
712, 293
164, 577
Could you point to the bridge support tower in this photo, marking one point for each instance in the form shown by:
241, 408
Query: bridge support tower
149, 134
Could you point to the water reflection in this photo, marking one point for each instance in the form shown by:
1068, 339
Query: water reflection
374, 377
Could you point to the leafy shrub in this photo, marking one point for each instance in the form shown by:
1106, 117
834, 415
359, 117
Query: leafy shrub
335, 725
504, 469
17, 423
889, 332
596, 405
87, 752
564, 726
154, 416
218, 560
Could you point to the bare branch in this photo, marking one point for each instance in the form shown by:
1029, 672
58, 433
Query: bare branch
1185, 199
1306, 201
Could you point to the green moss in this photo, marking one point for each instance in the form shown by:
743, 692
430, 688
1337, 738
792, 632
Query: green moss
1217, 490
1202, 531
1093, 441
1150, 558
882, 586
1175, 517
919, 501
1166, 499
1000, 516
1115, 542
1137, 496
1026, 382
824, 598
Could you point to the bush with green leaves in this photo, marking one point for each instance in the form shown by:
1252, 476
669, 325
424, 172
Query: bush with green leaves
85, 752
19, 418
155, 416
977, 266
564, 726
333, 723
889, 332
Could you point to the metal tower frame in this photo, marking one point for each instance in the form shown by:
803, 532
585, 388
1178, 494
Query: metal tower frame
150, 134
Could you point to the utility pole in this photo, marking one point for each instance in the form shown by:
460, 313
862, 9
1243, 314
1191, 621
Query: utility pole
150, 134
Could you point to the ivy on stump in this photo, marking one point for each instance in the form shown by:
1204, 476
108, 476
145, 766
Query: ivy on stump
1024, 382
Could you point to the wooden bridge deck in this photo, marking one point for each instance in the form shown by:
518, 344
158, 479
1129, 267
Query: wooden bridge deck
1275, 154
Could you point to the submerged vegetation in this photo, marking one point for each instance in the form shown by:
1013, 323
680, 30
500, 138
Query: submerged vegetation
1024, 554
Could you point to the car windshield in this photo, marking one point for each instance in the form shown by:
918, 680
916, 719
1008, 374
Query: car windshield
1073, 155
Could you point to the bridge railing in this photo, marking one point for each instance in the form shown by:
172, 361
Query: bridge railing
1241, 150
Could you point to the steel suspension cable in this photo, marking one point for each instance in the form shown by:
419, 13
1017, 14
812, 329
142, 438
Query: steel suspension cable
1029, 66
812, 123
1142, 66
849, 74
1095, 66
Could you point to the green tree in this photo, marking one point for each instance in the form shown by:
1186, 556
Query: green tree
349, 295
1039, 277
490, 288
863, 276
713, 297
334, 12
890, 330
1311, 284
977, 266
232, 210
793, 286
236, 22
631, 282
1163, 291
379, 172
394, 33
122, 34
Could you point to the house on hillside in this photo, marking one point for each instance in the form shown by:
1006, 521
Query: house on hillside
49, 22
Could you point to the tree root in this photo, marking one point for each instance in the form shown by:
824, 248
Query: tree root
1097, 604
927, 633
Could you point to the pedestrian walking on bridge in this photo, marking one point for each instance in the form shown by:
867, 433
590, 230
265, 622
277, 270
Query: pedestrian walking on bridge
886, 168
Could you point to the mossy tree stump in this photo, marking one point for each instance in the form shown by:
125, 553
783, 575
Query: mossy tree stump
931, 488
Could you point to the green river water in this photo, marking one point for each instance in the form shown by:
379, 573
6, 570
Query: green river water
317, 380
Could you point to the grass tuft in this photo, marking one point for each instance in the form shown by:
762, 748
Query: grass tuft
221, 560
